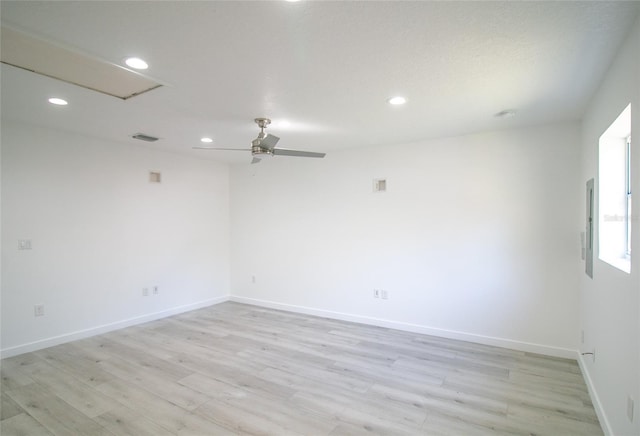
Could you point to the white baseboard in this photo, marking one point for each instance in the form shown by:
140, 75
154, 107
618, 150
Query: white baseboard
595, 399
74, 336
416, 328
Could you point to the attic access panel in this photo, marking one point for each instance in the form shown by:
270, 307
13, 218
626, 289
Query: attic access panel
41, 57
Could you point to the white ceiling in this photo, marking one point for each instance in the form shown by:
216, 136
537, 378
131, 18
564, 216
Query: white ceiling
326, 67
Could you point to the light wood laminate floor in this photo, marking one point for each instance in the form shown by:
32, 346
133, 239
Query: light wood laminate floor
239, 369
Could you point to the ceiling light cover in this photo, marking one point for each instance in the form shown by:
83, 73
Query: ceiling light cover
58, 101
136, 63
206, 140
398, 100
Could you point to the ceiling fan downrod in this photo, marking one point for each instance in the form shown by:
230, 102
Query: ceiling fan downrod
256, 144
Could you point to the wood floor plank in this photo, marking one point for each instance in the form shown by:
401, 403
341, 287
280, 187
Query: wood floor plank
291, 418
245, 370
236, 376
66, 358
82, 397
355, 421
123, 421
56, 415
22, 425
240, 420
9, 408
169, 416
12, 371
153, 381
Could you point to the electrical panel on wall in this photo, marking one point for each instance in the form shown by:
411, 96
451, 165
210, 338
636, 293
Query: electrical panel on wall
589, 229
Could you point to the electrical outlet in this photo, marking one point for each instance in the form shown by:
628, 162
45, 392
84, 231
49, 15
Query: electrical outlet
145, 292
156, 291
376, 293
630, 405
384, 294
38, 310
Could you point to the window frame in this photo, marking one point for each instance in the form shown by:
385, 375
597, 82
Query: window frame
614, 193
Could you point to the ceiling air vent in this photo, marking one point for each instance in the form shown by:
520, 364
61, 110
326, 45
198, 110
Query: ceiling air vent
143, 137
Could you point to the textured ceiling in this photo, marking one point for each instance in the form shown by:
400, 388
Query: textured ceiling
326, 67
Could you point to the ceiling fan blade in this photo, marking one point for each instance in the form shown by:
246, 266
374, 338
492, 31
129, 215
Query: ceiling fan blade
298, 153
269, 141
255, 160
218, 148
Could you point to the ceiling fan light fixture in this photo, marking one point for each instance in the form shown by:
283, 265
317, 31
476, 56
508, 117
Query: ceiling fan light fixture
397, 100
137, 63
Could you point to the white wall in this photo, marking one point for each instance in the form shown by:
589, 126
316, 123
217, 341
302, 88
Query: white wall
101, 232
474, 239
610, 303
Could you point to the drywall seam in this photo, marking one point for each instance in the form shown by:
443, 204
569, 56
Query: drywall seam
595, 399
415, 328
74, 336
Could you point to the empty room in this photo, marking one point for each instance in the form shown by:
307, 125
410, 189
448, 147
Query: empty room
319, 218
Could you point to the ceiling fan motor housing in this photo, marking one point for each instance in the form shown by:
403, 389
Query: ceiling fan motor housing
258, 149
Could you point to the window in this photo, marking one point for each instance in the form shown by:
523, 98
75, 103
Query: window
614, 193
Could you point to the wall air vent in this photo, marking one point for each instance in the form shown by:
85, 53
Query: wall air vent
379, 185
143, 137
155, 177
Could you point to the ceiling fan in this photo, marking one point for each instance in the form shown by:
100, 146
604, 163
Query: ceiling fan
264, 145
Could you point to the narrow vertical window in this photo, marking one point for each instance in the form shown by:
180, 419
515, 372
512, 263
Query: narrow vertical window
614, 193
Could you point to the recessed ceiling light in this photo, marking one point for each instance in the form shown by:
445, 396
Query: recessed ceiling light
58, 101
397, 100
206, 140
507, 113
136, 63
